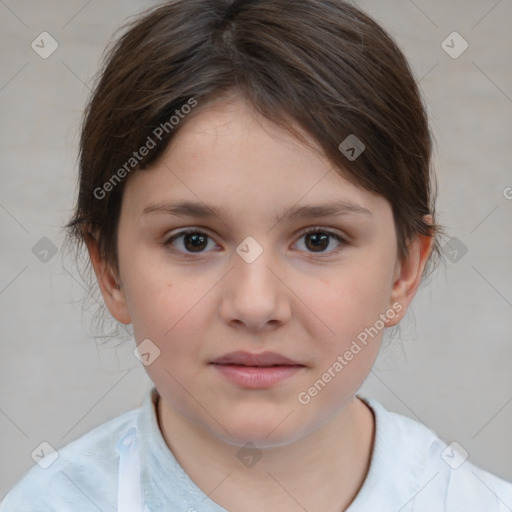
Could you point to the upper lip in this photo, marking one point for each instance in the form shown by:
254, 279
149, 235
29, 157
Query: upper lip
249, 359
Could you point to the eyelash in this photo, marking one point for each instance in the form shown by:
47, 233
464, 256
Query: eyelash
310, 230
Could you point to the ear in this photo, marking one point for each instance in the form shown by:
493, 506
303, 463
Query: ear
408, 273
109, 283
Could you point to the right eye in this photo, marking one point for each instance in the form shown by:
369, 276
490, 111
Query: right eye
192, 240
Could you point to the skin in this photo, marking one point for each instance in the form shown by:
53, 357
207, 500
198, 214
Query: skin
294, 300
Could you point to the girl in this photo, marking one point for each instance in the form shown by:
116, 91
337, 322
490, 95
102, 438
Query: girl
257, 201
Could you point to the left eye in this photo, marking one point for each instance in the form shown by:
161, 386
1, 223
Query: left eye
317, 240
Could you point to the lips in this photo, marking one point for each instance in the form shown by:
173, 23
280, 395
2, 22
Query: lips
263, 359
256, 371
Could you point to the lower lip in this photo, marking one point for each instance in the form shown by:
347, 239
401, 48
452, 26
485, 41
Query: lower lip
257, 377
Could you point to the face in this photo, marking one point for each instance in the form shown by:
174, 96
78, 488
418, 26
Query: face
317, 287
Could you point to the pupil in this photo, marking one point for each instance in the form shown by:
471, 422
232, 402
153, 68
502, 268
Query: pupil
198, 241
319, 241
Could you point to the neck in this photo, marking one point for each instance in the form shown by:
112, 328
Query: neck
322, 471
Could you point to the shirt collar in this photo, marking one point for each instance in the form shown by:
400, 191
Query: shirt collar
399, 456
165, 484
398, 460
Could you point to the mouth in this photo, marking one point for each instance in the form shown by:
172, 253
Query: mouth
256, 371
262, 360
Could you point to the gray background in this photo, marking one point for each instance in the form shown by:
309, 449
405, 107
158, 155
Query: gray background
451, 367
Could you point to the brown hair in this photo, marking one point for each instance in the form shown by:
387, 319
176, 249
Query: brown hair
323, 65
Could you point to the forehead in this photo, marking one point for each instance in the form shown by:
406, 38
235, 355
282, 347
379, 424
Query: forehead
230, 129
228, 155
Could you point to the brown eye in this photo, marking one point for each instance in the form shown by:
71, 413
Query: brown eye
192, 241
318, 240
195, 241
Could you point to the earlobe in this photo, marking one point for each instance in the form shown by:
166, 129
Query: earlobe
109, 283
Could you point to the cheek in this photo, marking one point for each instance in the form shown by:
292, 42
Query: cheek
346, 327
346, 337
169, 309
176, 315
350, 300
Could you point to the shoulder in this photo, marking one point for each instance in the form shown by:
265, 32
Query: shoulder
426, 473
76, 476
463, 486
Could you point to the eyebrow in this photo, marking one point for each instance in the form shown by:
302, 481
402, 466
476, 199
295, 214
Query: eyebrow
202, 210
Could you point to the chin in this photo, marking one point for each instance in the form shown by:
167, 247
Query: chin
264, 430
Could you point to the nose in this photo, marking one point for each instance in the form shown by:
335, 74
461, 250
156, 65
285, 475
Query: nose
255, 294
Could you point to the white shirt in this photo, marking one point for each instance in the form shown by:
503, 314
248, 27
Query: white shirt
125, 465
